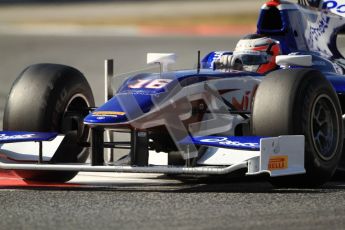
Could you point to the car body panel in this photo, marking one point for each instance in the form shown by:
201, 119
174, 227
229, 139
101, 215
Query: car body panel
210, 107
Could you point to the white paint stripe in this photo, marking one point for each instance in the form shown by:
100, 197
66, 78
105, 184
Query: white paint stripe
87, 178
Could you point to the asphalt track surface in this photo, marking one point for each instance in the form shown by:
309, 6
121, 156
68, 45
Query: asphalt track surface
127, 201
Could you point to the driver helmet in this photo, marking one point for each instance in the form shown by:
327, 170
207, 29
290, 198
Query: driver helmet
256, 53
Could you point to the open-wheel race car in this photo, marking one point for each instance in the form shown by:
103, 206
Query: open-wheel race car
272, 106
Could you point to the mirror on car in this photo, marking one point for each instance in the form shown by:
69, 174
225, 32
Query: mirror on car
294, 60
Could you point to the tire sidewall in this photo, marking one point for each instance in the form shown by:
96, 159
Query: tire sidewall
283, 105
38, 101
311, 88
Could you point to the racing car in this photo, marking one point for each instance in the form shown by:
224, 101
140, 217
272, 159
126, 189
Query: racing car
273, 106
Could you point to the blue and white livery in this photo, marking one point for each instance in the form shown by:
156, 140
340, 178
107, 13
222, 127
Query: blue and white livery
274, 106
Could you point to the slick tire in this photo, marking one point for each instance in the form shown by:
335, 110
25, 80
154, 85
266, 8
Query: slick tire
301, 102
51, 98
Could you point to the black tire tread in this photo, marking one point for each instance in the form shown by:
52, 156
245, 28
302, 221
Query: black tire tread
295, 90
36, 102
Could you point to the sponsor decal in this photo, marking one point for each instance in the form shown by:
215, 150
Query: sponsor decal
15, 137
108, 113
335, 6
320, 28
278, 163
225, 141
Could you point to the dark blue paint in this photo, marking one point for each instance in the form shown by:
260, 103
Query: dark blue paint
337, 81
292, 35
126, 98
230, 142
15, 136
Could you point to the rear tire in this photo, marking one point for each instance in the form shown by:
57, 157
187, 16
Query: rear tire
51, 98
301, 102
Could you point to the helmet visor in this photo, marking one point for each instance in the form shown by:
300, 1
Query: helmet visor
251, 57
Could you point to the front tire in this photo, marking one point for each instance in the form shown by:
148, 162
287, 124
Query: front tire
301, 102
51, 98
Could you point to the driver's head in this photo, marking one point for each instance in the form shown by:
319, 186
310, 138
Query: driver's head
257, 53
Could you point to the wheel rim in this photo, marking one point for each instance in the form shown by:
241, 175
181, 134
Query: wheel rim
324, 127
77, 108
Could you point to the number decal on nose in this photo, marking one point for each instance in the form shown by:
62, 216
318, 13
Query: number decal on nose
150, 84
